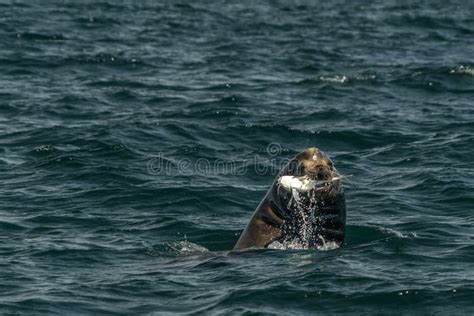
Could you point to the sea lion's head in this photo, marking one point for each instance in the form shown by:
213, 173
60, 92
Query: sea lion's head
308, 195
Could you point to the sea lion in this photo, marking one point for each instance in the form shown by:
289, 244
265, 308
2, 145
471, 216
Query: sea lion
304, 208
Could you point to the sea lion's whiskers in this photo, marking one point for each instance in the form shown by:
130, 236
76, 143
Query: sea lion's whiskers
340, 177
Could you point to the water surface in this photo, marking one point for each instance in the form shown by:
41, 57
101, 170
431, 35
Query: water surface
95, 95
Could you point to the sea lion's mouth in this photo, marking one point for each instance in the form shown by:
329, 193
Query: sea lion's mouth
309, 174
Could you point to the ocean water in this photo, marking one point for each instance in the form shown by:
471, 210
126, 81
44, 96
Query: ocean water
137, 138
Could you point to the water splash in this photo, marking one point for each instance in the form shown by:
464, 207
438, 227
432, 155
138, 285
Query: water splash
304, 202
186, 248
176, 249
295, 245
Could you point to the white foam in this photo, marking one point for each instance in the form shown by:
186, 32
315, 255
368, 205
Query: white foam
465, 70
328, 245
398, 234
286, 245
186, 248
334, 79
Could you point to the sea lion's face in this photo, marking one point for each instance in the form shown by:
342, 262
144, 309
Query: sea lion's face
309, 170
310, 196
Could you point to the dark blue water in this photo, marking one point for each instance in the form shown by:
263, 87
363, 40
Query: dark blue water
136, 139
